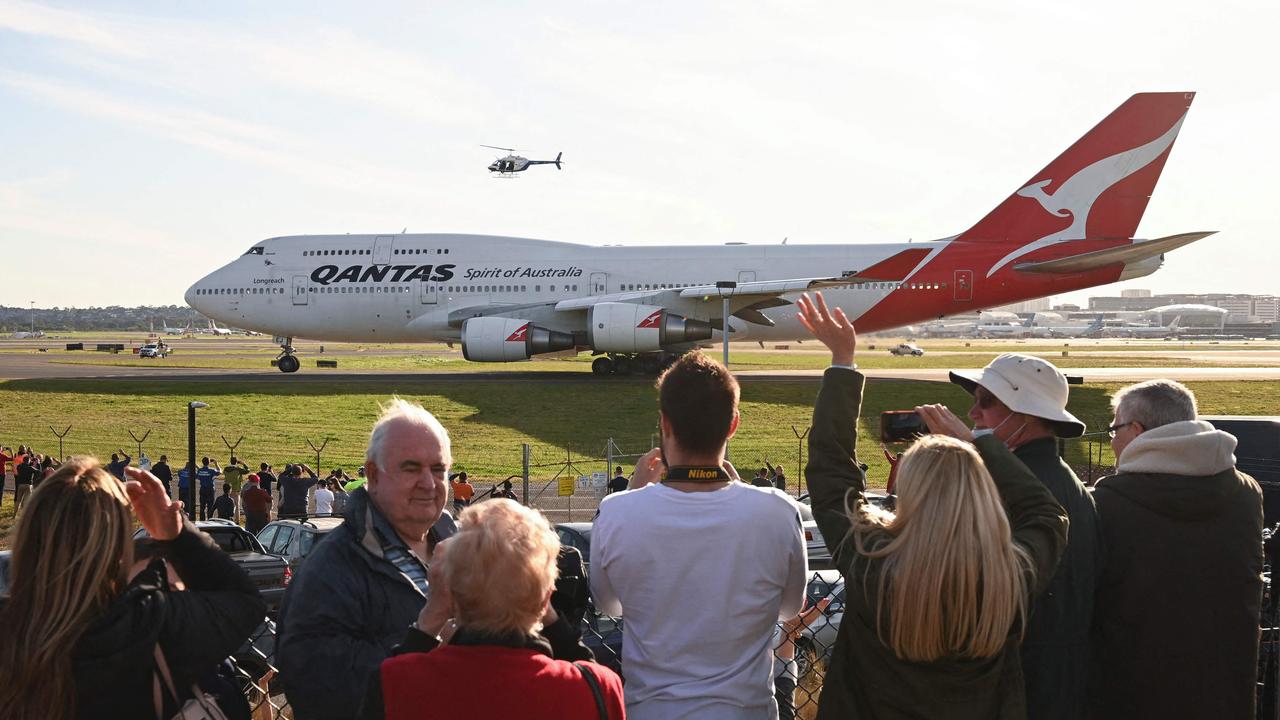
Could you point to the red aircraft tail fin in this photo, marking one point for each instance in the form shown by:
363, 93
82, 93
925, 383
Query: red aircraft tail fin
1099, 187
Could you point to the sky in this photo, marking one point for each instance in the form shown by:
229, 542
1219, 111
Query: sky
145, 144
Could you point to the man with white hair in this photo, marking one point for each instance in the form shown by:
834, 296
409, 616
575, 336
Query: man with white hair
1176, 633
367, 581
1022, 401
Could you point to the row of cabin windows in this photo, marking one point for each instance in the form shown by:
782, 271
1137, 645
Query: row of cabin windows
627, 287
241, 291
403, 251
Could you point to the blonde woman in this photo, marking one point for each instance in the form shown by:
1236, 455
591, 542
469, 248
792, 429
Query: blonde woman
936, 595
494, 578
79, 636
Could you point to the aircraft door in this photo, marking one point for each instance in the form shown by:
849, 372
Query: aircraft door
301, 289
382, 249
746, 276
963, 291
428, 292
599, 284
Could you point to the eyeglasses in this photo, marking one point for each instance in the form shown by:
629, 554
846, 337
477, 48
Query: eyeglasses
1111, 431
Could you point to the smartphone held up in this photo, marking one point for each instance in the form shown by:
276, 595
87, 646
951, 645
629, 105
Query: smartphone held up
898, 426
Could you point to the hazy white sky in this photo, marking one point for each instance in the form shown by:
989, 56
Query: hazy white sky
146, 143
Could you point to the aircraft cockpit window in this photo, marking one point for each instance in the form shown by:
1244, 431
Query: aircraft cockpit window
255, 250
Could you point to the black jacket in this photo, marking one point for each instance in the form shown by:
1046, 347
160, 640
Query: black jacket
345, 610
196, 628
866, 679
1055, 650
1176, 628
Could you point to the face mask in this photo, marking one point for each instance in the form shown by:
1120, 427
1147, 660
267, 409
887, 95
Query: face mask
1015, 432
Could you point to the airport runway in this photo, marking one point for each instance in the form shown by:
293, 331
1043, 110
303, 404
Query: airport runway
30, 367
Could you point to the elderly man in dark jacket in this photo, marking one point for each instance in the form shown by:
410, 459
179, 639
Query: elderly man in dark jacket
1180, 592
1023, 399
366, 582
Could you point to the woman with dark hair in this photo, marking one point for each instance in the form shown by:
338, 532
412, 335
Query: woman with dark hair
84, 641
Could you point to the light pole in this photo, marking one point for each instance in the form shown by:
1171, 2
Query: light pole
721, 286
190, 498
33, 318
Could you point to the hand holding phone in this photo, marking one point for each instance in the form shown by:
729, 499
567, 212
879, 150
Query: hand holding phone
901, 426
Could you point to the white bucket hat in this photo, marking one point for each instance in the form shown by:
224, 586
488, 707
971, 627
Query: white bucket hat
1027, 385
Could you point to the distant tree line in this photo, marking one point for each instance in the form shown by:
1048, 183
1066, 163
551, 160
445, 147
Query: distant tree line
113, 317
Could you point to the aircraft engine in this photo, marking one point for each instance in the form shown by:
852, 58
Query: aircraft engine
628, 328
501, 339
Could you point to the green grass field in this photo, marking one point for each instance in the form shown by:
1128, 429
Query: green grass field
562, 420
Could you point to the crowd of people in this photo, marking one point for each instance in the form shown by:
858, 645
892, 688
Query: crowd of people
999, 586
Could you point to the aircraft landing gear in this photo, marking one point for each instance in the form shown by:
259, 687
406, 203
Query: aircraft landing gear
288, 361
640, 364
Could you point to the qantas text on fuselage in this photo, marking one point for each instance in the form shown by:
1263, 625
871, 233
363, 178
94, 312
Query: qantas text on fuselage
1071, 226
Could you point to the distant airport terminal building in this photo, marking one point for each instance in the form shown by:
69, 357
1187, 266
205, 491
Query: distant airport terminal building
1254, 315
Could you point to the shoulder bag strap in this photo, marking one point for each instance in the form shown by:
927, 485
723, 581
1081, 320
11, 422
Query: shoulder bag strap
161, 672
594, 684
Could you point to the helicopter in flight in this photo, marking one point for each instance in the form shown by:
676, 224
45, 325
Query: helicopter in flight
513, 163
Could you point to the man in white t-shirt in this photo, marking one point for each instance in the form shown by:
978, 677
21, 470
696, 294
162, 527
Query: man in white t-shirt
701, 565
324, 498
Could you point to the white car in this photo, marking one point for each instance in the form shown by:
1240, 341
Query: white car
907, 349
153, 350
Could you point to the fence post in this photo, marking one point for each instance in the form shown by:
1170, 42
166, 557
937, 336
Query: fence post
136, 439
800, 436
231, 447
524, 451
61, 454
608, 459
317, 450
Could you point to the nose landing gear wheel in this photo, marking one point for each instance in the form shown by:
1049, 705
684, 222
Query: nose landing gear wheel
602, 366
288, 364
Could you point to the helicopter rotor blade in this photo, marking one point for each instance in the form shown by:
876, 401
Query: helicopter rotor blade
495, 147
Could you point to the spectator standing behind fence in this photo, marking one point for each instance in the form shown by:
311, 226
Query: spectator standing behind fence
351, 601
6, 457
28, 474
776, 477
324, 497
293, 489
340, 499
207, 474
495, 578
936, 596
233, 474
1181, 588
164, 474
256, 503
618, 483
80, 638
225, 506
116, 466
701, 566
266, 478
462, 492
1023, 400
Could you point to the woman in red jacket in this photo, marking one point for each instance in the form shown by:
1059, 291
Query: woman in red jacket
494, 578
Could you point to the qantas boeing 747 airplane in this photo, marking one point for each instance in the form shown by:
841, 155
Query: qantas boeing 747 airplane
1071, 226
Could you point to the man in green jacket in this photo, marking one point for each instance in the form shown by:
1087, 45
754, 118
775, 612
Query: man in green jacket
1023, 400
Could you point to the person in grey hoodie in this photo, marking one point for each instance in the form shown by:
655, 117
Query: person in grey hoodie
1178, 600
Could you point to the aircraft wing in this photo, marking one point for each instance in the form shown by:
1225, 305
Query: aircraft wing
1111, 256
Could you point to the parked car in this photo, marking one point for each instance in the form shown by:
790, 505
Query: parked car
153, 350
577, 535
269, 573
907, 349
818, 639
294, 538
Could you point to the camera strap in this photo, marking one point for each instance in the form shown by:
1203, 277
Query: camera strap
696, 474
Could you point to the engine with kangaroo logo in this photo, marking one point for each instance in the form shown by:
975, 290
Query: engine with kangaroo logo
628, 328
501, 339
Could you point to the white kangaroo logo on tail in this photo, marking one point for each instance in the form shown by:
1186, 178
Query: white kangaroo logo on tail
1075, 197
